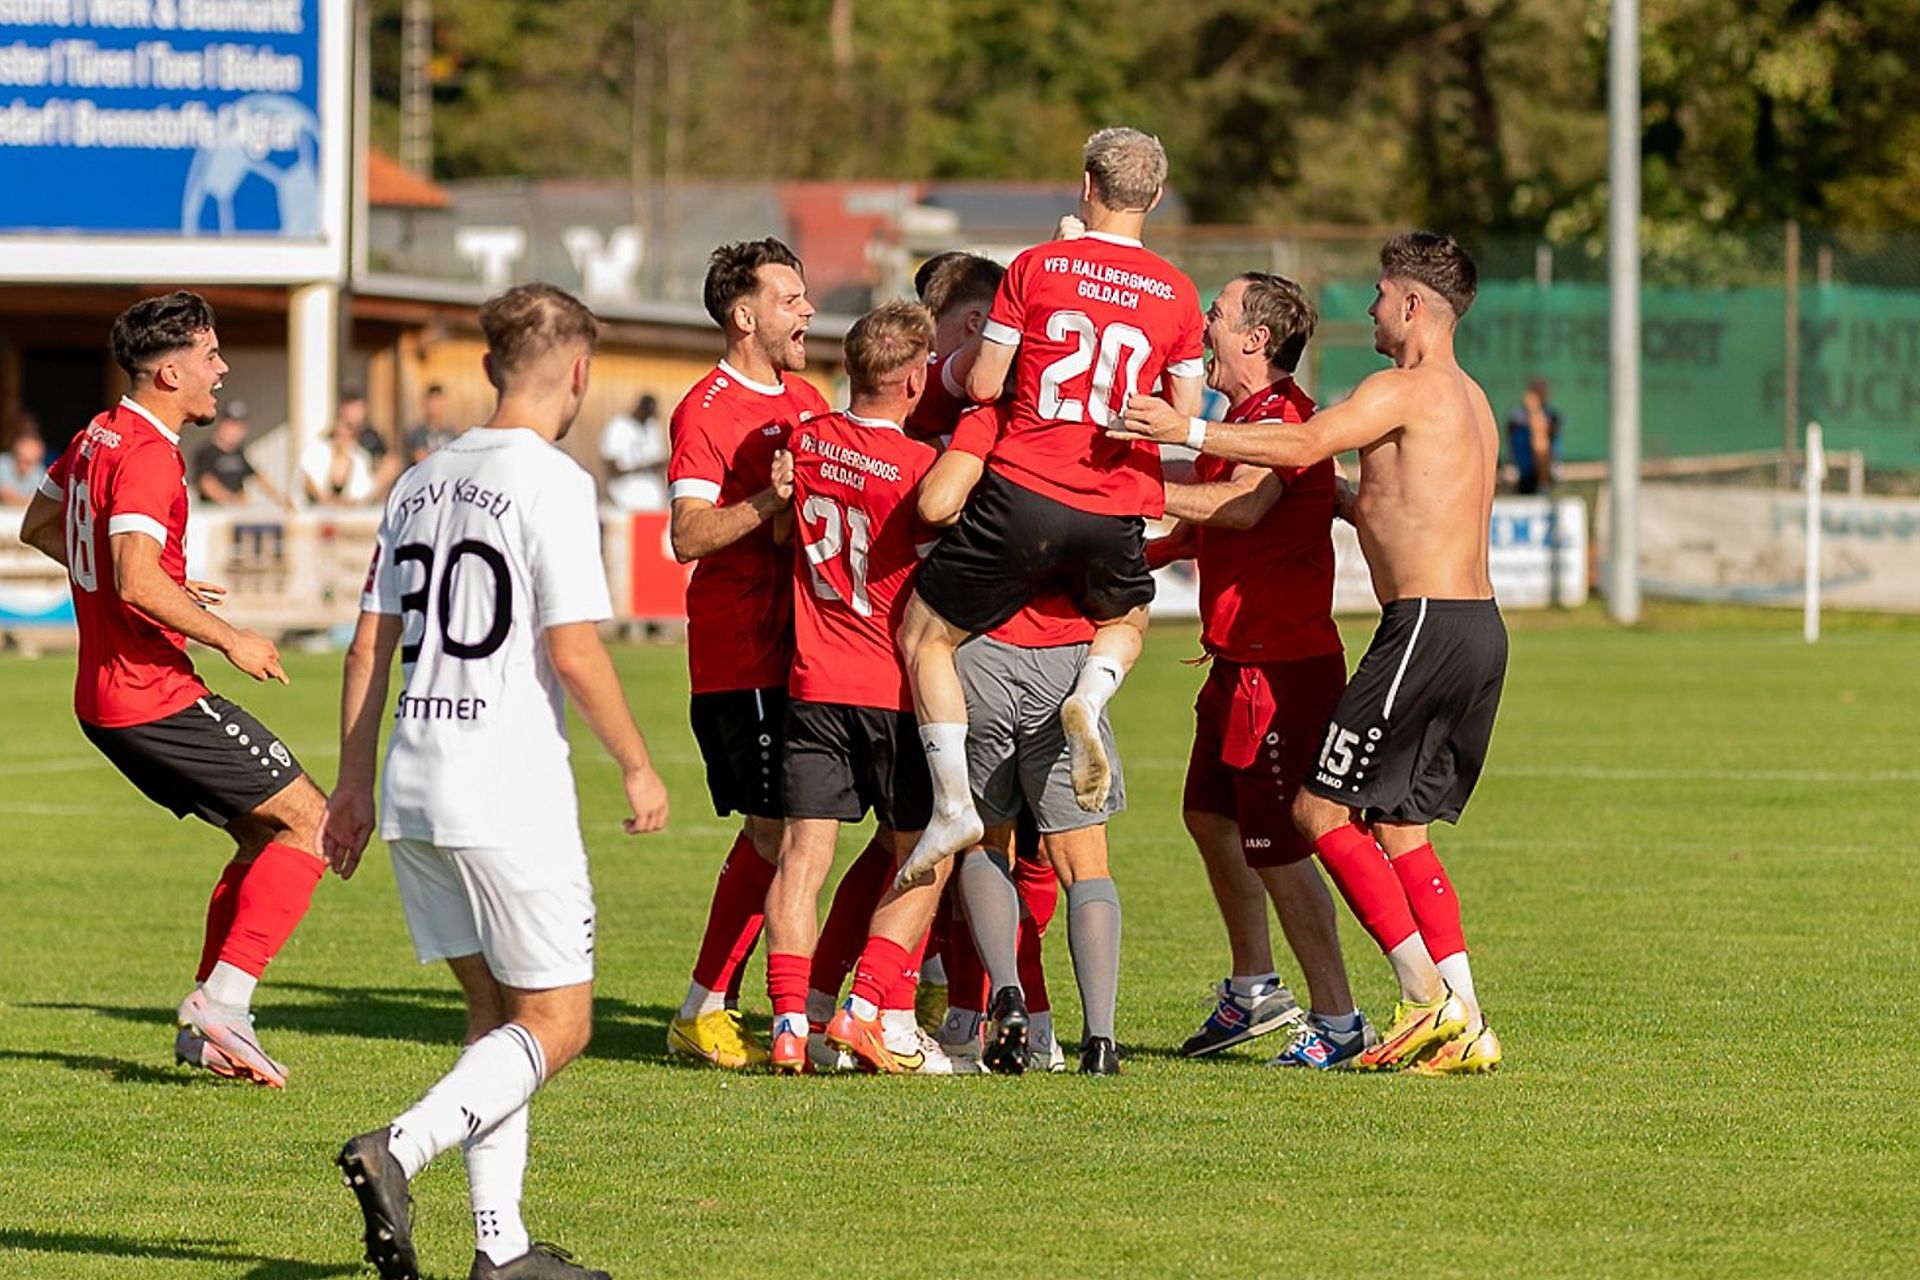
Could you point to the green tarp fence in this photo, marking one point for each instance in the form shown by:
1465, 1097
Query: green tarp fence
1713, 372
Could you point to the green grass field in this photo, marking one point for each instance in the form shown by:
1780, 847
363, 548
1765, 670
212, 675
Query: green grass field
1689, 886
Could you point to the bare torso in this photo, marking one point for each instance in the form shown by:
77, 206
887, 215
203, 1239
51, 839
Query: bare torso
1426, 490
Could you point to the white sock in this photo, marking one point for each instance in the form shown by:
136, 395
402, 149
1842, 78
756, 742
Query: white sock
1412, 963
700, 1000
946, 748
792, 1023
1252, 985
862, 1008
496, 1168
901, 1028
819, 1006
1100, 678
493, 1079
230, 987
1040, 1029
1454, 969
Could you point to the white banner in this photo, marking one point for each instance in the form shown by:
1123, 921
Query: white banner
1746, 546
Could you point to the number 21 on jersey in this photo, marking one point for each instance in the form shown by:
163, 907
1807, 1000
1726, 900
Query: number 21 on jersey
840, 529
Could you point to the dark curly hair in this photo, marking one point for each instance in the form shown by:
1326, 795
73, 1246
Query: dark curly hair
733, 272
155, 327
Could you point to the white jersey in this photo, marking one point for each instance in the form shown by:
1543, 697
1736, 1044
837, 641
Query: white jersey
485, 544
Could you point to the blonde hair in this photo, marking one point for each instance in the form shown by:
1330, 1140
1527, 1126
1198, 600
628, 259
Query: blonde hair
1128, 168
889, 338
530, 321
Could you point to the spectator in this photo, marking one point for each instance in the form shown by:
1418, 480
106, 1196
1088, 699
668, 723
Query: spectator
634, 447
432, 430
1533, 439
380, 457
221, 473
335, 470
23, 466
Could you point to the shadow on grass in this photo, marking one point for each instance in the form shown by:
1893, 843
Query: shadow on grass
256, 1267
118, 1070
622, 1029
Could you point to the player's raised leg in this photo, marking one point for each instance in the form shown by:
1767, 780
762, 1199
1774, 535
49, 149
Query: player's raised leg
927, 642
1115, 648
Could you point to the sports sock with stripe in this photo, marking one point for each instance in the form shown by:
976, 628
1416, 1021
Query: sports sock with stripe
1436, 909
273, 897
878, 972
1093, 935
493, 1078
496, 1172
1360, 871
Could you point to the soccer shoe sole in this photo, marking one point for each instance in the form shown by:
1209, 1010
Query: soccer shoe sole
387, 1213
944, 837
1195, 1048
1006, 1052
1092, 773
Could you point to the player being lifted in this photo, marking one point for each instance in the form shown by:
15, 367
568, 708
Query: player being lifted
488, 580
850, 741
1092, 321
1410, 734
1262, 541
727, 518
113, 510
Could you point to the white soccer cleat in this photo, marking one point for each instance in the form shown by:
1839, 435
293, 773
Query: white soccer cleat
1092, 774
945, 836
233, 1038
916, 1052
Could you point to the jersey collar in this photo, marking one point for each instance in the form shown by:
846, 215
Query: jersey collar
1279, 390
1110, 238
173, 437
764, 388
875, 424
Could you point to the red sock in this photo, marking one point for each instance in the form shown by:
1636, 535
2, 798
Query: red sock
966, 975
1039, 891
848, 919
272, 898
1436, 908
901, 994
733, 921
787, 982
879, 970
220, 908
1359, 867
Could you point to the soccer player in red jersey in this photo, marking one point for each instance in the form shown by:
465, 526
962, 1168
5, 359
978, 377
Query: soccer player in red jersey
729, 515
1092, 321
850, 743
1262, 539
1410, 734
113, 511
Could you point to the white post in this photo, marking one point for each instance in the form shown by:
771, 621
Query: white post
313, 361
1816, 473
1623, 273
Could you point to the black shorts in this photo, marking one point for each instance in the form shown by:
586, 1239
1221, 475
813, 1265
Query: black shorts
842, 761
1011, 543
210, 759
740, 733
1410, 734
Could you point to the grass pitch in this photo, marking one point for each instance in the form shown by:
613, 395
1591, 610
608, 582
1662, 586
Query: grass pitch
1688, 885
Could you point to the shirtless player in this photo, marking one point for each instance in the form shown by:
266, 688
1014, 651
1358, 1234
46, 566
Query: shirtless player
1429, 452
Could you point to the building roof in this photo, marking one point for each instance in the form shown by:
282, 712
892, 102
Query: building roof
389, 186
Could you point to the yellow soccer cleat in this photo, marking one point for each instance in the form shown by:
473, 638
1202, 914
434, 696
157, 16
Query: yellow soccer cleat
716, 1038
1416, 1029
1472, 1052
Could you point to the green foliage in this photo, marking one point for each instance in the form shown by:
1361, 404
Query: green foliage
1482, 116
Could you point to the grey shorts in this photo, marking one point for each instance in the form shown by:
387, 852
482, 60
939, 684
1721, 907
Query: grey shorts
1016, 751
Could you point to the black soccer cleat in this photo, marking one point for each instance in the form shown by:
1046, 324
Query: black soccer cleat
1098, 1057
378, 1182
541, 1262
1006, 1049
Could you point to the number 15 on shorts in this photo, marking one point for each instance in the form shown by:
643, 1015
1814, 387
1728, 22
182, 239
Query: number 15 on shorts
1336, 754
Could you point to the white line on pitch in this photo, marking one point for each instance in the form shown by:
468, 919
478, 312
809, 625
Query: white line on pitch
1594, 773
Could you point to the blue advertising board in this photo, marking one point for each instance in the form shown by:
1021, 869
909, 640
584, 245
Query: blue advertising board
204, 122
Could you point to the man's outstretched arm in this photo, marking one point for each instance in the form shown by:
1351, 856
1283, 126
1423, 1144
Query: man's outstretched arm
1369, 415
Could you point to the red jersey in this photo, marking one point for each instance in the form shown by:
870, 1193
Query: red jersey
1051, 618
1096, 320
124, 474
859, 539
739, 608
1266, 593
939, 408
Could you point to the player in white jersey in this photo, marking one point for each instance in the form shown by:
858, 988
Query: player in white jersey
488, 580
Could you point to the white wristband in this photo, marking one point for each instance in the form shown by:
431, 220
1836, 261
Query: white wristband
1196, 433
